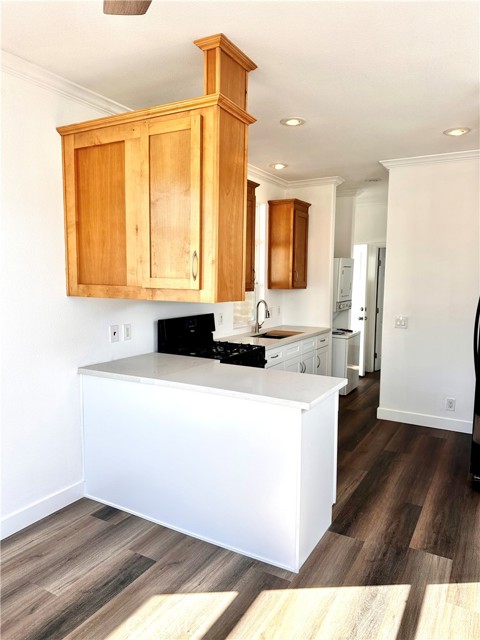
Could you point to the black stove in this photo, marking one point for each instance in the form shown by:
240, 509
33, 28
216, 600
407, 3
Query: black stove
192, 336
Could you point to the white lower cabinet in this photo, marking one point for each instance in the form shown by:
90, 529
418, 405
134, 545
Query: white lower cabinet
294, 364
309, 362
310, 355
280, 365
321, 361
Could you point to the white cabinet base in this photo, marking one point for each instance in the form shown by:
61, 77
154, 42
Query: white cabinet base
253, 477
345, 359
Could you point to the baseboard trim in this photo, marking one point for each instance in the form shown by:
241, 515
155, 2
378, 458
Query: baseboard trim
45, 507
424, 420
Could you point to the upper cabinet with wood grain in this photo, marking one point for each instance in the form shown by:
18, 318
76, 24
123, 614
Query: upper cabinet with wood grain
287, 244
250, 237
155, 200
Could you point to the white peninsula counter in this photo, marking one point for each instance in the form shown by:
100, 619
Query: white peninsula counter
241, 457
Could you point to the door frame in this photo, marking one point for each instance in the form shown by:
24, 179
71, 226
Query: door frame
372, 271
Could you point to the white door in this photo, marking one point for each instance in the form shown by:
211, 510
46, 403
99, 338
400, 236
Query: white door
359, 298
379, 308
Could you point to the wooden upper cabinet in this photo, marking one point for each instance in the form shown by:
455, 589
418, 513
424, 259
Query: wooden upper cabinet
102, 202
175, 199
287, 244
250, 237
155, 200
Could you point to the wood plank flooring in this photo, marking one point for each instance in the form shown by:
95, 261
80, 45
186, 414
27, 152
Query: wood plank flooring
401, 560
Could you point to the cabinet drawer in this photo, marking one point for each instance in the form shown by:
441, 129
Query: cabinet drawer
323, 340
309, 344
274, 357
280, 354
293, 349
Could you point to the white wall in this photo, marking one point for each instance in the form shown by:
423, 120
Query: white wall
46, 335
344, 224
432, 276
313, 306
269, 189
370, 225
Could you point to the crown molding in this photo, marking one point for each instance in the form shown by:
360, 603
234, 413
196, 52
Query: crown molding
261, 174
40, 77
349, 193
317, 182
264, 176
474, 154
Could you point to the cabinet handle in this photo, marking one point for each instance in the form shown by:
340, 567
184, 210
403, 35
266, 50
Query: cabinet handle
318, 362
273, 357
194, 265
323, 340
304, 367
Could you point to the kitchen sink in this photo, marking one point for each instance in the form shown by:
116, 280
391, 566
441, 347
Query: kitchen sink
276, 335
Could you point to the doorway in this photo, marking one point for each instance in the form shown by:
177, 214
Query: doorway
367, 303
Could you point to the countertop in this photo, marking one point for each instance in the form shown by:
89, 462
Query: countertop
269, 343
210, 376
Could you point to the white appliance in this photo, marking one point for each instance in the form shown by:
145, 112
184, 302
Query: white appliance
345, 357
342, 283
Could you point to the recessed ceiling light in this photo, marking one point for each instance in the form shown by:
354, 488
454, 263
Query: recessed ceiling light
459, 131
373, 179
292, 122
279, 166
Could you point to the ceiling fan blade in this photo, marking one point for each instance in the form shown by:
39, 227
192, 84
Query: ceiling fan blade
126, 7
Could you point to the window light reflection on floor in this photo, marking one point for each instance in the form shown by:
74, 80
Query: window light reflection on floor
325, 613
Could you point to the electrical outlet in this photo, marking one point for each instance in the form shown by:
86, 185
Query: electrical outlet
450, 404
401, 322
114, 333
127, 331
220, 319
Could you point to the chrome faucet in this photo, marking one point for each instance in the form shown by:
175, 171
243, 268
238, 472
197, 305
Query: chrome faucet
258, 325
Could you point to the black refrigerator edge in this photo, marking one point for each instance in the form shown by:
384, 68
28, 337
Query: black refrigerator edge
475, 455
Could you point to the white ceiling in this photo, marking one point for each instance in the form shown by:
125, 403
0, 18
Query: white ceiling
374, 80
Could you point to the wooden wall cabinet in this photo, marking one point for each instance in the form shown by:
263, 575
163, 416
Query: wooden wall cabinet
287, 244
250, 237
155, 200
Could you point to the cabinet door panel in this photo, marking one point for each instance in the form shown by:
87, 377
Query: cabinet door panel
173, 234
100, 206
300, 241
309, 362
295, 364
250, 237
103, 199
287, 244
322, 361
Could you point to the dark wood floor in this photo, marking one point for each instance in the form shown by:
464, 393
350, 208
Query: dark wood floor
400, 561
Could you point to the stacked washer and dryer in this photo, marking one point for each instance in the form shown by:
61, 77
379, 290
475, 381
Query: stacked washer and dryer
345, 343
